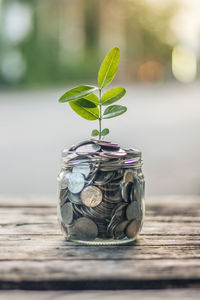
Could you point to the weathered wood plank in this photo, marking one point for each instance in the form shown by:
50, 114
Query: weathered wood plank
57, 240
39, 249
175, 294
66, 253
29, 215
149, 228
33, 252
99, 274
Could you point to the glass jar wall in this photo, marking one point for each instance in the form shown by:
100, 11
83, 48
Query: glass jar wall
101, 193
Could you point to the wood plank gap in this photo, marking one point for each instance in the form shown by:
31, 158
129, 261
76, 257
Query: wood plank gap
101, 284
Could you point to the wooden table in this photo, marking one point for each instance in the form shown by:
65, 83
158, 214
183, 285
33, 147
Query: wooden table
164, 262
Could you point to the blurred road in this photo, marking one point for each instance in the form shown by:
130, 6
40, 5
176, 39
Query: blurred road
162, 120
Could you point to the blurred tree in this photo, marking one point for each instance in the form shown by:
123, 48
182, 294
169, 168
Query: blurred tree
63, 41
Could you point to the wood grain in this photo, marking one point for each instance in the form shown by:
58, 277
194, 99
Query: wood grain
34, 254
178, 294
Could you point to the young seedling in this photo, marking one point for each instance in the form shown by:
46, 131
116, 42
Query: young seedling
89, 106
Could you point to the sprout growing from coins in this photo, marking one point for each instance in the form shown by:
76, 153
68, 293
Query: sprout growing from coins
90, 106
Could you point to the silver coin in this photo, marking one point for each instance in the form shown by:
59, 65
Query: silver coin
126, 188
118, 153
76, 182
67, 213
102, 229
83, 229
109, 187
111, 226
133, 152
119, 230
128, 176
120, 211
83, 168
63, 179
136, 191
68, 156
132, 211
107, 144
110, 147
103, 177
132, 228
88, 149
118, 175
113, 197
63, 196
91, 196
74, 198
82, 143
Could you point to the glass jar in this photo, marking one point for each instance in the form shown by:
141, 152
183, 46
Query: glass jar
101, 193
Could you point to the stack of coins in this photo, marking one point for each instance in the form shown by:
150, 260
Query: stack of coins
101, 191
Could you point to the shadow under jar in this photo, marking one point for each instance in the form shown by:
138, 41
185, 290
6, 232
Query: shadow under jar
101, 193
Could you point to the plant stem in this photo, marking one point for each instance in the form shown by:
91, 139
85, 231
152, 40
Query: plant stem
100, 114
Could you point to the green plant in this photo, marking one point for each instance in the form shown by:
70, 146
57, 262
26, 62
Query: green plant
90, 107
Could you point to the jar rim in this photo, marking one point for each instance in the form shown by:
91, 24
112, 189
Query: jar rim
106, 160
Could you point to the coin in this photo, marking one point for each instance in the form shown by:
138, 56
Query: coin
132, 228
83, 168
67, 213
128, 176
67, 156
126, 190
82, 143
88, 149
63, 179
117, 153
136, 191
119, 230
63, 196
114, 197
120, 211
83, 229
132, 211
103, 177
74, 198
133, 152
109, 147
102, 227
91, 196
76, 182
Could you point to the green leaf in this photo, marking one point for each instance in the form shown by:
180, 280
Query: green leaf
112, 96
114, 111
77, 93
95, 132
105, 132
108, 68
85, 103
92, 97
85, 112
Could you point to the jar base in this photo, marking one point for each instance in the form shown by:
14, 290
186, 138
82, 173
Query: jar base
103, 242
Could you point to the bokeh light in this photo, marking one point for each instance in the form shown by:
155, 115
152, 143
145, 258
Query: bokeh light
13, 66
150, 71
184, 64
17, 21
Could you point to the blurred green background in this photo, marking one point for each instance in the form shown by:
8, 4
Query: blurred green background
48, 43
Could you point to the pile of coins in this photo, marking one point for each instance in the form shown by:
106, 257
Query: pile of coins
101, 191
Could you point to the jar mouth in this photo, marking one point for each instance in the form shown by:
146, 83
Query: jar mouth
105, 161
